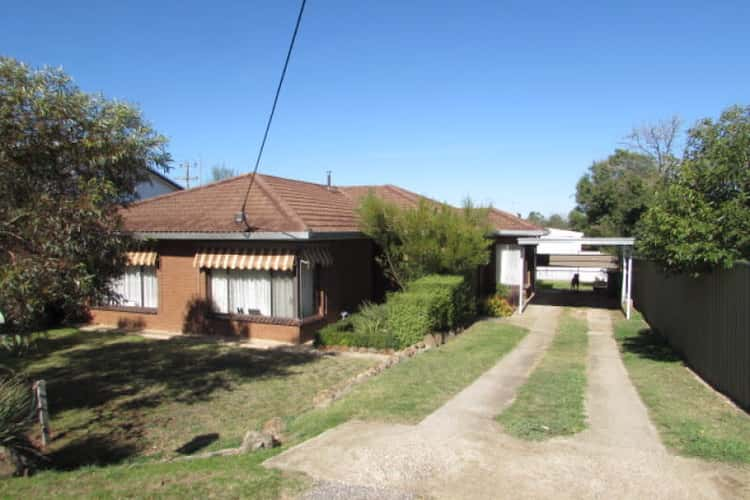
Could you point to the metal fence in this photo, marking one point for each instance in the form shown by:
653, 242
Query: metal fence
706, 319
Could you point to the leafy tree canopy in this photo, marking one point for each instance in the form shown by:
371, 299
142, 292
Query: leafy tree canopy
555, 221
431, 238
614, 193
701, 220
219, 172
68, 160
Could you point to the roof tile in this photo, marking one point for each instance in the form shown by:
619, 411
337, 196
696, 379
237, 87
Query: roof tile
275, 205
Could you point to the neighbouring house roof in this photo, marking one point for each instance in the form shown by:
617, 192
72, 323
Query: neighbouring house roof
276, 205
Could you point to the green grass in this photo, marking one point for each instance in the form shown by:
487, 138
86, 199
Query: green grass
117, 398
225, 477
551, 402
691, 418
561, 285
404, 393
414, 388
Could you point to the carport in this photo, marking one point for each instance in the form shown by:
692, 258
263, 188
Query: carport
622, 261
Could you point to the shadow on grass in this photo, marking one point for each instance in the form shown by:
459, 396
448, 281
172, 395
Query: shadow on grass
650, 345
95, 450
570, 298
115, 380
197, 443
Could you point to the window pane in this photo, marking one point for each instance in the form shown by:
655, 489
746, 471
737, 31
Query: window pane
150, 288
283, 295
219, 295
307, 289
131, 295
250, 292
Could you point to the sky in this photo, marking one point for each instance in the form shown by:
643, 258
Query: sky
506, 102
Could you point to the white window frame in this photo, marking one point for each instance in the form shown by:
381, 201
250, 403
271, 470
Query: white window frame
273, 306
116, 302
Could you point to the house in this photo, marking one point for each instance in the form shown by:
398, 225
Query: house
558, 253
156, 185
295, 262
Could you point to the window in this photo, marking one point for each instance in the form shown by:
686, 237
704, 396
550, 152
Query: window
137, 287
307, 289
263, 293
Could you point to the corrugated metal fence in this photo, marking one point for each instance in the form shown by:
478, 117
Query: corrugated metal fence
706, 319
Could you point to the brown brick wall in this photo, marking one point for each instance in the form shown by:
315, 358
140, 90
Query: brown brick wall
344, 286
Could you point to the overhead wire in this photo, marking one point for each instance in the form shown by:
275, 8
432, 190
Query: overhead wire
242, 213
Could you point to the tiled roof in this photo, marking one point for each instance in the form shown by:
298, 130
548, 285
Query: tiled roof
275, 205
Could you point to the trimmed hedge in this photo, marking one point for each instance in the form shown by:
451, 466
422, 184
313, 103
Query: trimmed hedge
432, 303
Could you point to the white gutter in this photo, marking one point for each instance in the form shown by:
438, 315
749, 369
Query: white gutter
519, 232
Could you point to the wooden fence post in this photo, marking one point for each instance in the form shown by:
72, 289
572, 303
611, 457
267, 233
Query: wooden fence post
40, 393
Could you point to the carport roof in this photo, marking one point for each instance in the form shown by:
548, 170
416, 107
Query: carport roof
619, 241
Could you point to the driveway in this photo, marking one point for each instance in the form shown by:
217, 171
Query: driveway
460, 451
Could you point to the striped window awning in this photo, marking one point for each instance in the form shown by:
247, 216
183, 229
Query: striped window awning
317, 255
144, 258
257, 260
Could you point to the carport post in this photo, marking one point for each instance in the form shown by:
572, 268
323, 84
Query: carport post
520, 281
630, 283
623, 275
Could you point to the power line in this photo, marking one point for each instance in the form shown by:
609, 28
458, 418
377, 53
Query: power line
242, 214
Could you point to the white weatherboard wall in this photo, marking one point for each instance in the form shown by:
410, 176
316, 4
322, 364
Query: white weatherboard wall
585, 274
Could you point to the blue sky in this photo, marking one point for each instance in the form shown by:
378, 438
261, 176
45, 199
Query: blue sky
508, 102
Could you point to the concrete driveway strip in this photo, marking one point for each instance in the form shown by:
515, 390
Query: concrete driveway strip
459, 451
382, 455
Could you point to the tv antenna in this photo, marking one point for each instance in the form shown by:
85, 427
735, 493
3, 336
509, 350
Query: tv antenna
187, 178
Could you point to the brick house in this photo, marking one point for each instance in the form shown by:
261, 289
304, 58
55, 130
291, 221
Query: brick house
295, 263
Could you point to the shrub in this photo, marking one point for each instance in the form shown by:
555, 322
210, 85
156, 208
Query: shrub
452, 300
15, 412
410, 318
343, 332
371, 319
503, 291
497, 306
432, 303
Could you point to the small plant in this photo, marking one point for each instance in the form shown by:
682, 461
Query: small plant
497, 306
15, 413
503, 291
371, 320
17, 345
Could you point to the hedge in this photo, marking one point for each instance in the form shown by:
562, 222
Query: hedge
432, 303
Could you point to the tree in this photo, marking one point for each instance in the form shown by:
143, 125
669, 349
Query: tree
219, 172
68, 161
657, 141
536, 218
556, 221
614, 193
701, 220
430, 238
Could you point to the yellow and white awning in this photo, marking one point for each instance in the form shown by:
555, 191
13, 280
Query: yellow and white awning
144, 258
256, 260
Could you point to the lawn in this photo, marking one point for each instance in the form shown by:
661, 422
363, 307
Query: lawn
123, 398
561, 285
404, 393
691, 418
415, 388
551, 402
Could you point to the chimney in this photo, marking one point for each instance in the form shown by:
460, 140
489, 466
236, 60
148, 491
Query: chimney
328, 180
